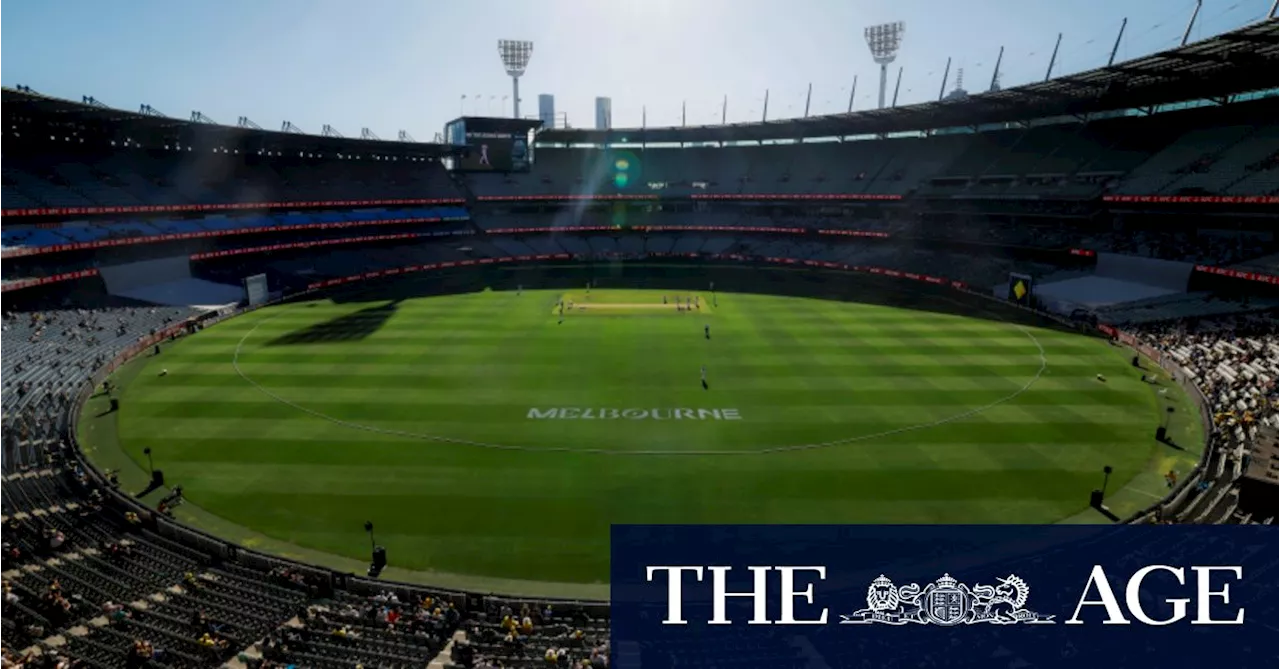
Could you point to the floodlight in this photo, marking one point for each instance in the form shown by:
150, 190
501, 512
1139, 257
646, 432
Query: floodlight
884, 40
515, 57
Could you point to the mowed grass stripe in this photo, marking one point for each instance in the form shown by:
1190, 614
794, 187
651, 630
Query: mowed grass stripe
790, 426
229, 454
482, 397
427, 379
799, 371
375, 349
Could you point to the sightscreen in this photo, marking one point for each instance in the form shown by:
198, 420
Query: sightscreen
255, 288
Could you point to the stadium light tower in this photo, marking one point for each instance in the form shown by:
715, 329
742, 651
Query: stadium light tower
884, 40
515, 57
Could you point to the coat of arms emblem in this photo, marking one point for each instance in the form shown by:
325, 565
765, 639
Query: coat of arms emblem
947, 602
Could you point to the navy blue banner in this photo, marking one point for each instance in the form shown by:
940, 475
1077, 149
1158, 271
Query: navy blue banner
814, 597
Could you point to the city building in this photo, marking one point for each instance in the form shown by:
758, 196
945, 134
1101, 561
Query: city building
604, 113
547, 110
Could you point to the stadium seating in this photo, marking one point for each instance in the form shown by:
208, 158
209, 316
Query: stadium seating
135, 229
92, 578
90, 582
1233, 360
138, 177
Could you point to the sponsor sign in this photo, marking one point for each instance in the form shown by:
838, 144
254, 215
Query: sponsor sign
200, 234
793, 196
326, 242
855, 233
1196, 199
42, 281
235, 206
645, 228
1021, 289
1239, 274
609, 413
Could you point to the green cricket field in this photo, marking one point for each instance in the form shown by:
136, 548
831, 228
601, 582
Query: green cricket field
492, 440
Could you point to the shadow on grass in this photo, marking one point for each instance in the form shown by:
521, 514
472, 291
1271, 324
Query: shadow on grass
700, 275
1107, 513
348, 327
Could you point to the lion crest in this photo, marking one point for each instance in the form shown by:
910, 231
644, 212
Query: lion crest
882, 595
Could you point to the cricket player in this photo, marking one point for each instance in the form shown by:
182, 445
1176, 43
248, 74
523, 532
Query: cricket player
704, 378
706, 329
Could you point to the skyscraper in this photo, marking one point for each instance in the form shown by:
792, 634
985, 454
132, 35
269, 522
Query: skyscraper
547, 110
604, 113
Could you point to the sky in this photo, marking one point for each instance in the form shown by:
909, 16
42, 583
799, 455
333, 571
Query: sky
391, 65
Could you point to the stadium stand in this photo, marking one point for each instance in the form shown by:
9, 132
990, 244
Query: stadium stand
1001, 182
137, 177
1233, 360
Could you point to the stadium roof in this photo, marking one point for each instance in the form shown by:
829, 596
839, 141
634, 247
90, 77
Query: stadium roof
1240, 61
90, 119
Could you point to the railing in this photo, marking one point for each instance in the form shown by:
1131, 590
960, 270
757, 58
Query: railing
231, 206
1183, 488
22, 251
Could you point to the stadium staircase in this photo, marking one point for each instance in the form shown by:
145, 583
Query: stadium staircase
463, 187
469, 195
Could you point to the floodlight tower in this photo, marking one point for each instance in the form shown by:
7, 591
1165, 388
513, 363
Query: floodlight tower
515, 57
884, 40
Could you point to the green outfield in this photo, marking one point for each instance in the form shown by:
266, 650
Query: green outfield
493, 441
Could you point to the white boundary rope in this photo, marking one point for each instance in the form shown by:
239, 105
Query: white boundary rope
235, 362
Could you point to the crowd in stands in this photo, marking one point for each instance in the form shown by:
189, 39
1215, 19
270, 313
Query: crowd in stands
89, 583
138, 598
49, 355
1234, 361
532, 635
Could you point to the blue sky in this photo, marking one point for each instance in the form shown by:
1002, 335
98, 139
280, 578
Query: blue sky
405, 64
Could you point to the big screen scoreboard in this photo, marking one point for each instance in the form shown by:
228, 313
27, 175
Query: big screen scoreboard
490, 147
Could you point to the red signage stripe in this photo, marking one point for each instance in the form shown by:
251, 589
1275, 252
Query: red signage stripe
959, 285
235, 206
23, 251
1196, 199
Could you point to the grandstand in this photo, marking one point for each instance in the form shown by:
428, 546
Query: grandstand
1141, 200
